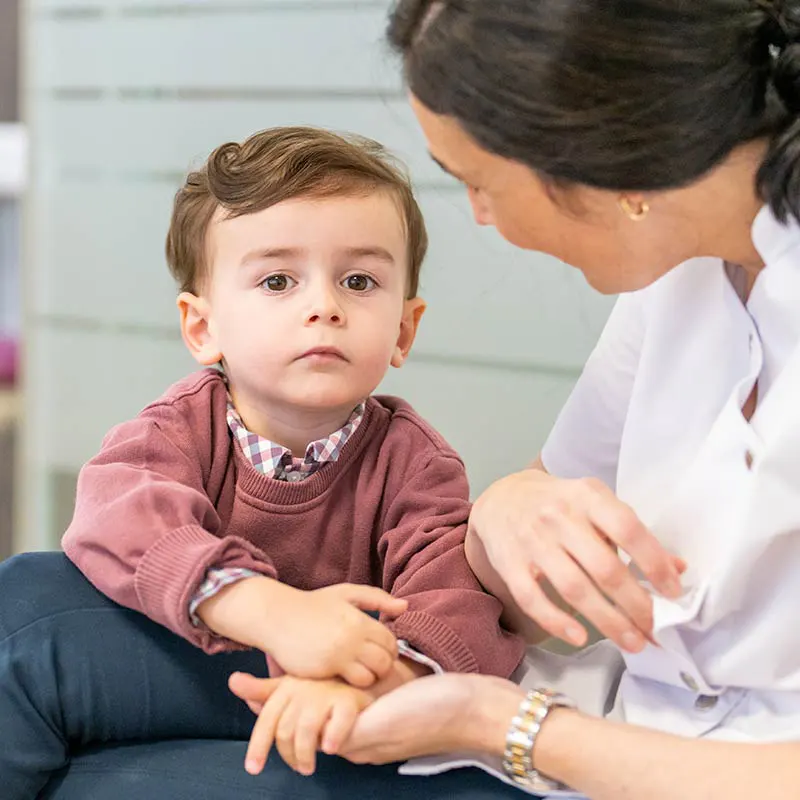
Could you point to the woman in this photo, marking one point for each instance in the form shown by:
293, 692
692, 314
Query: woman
625, 139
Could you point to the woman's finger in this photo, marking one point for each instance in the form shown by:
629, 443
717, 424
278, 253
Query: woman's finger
604, 566
256, 708
343, 717
533, 600
263, 735
251, 689
620, 523
579, 591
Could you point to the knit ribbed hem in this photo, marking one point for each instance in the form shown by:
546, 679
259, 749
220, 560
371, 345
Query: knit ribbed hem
435, 639
170, 572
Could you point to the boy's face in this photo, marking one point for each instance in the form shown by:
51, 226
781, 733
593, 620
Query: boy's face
306, 301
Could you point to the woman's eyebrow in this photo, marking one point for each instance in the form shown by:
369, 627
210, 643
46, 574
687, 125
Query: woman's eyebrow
445, 168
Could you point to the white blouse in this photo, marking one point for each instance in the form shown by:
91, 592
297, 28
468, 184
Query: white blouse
657, 416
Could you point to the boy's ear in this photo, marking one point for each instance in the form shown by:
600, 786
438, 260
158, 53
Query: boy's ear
409, 324
197, 329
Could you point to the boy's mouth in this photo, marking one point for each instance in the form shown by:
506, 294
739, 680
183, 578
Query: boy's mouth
323, 354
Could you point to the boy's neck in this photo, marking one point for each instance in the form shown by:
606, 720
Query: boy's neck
291, 427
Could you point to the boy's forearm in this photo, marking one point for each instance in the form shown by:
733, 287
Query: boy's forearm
236, 612
514, 618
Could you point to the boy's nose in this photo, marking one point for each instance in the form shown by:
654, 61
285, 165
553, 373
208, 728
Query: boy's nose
325, 308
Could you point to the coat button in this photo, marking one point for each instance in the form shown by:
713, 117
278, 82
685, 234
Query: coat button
748, 459
689, 682
706, 702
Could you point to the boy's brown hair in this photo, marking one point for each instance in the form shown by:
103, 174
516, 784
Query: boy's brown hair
278, 164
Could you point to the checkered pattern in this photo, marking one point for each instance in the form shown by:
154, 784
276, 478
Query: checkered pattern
216, 580
275, 461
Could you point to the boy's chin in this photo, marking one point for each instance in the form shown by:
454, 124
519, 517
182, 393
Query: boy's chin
327, 401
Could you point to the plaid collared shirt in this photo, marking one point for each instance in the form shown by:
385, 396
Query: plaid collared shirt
278, 462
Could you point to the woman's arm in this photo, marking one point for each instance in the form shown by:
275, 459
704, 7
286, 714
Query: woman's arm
603, 760
612, 761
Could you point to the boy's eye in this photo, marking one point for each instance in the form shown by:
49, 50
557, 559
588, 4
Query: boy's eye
278, 283
359, 283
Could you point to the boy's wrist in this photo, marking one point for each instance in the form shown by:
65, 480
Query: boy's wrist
237, 611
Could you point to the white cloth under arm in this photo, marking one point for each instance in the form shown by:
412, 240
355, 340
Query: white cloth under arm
585, 440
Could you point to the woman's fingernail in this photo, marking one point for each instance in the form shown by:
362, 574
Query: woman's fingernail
575, 634
632, 642
252, 766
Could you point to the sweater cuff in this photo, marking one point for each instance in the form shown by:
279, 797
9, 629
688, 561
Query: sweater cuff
171, 571
435, 639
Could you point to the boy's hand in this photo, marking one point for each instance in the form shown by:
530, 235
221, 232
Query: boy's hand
326, 634
311, 634
300, 717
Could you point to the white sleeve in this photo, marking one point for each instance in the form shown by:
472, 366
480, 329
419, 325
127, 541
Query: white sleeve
585, 440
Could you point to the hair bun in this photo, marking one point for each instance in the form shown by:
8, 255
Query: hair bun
786, 77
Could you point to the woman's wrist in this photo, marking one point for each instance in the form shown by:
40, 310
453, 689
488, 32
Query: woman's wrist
559, 727
490, 716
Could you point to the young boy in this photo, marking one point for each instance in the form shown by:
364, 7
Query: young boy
267, 500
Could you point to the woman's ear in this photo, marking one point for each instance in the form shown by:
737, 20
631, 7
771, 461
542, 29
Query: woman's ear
409, 324
197, 329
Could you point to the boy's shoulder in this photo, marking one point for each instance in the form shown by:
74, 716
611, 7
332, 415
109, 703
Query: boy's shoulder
407, 430
200, 396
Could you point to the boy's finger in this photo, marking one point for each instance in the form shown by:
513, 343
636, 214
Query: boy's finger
307, 737
376, 659
358, 675
383, 637
285, 732
371, 598
338, 727
263, 735
249, 688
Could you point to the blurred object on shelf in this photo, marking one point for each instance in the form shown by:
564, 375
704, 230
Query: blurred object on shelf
13, 159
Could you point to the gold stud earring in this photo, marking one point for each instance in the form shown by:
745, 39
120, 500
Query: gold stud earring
634, 211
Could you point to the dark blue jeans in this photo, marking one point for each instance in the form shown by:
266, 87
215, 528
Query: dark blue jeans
99, 703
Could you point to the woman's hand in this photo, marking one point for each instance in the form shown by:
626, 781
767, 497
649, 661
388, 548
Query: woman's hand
533, 526
434, 714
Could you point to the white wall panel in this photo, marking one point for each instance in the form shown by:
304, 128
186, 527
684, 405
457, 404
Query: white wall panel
308, 49
103, 260
122, 96
127, 137
91, 380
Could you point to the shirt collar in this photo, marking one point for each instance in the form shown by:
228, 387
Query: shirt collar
276, 461
772, 238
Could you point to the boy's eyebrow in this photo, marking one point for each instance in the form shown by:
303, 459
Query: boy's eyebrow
266, 253
372, 251
263, 253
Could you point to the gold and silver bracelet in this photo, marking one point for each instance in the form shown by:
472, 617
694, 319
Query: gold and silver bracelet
521, 738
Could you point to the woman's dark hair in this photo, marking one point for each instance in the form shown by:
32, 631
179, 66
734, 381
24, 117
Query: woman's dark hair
635, 95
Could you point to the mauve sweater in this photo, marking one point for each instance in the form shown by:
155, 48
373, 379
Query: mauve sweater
170, 494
